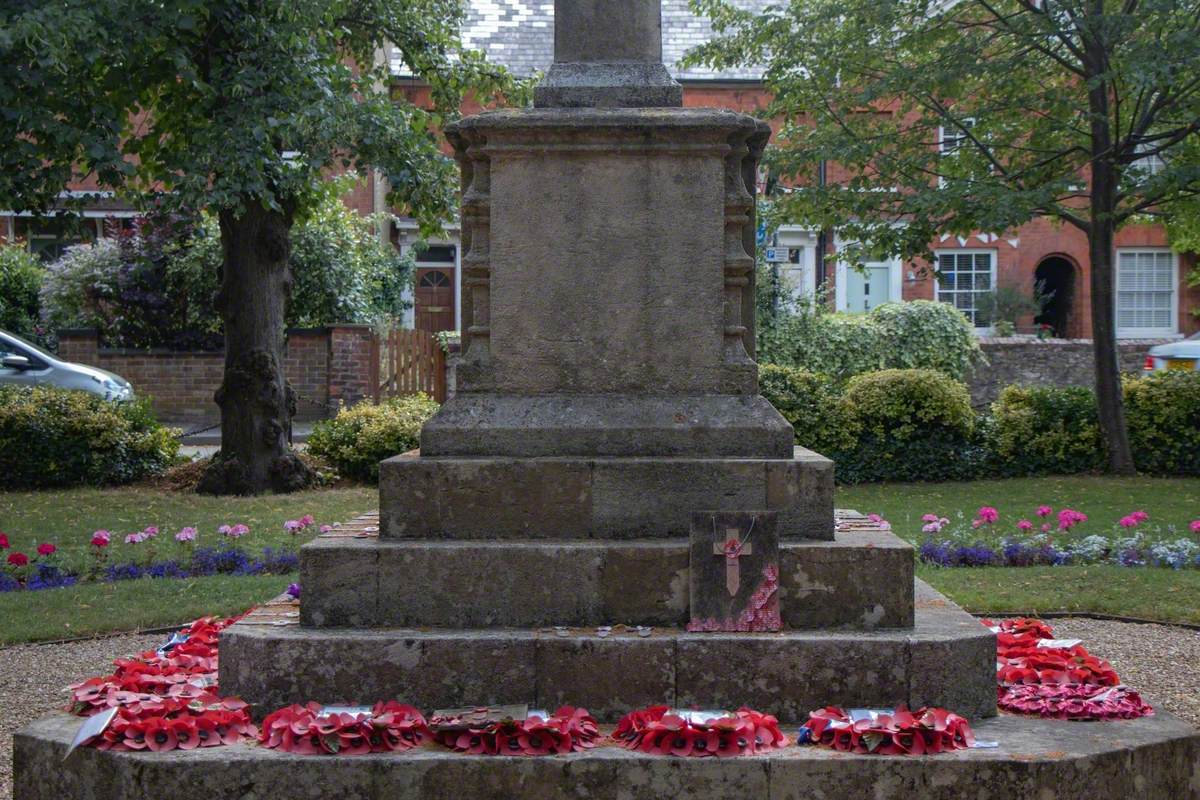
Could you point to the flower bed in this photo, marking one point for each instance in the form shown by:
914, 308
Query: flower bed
1056, 538
43, 570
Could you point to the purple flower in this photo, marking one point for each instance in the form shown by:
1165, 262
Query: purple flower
293, 526
293, 590
186, 535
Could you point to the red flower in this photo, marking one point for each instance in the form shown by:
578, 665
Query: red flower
4, 545
18, 559
46, 549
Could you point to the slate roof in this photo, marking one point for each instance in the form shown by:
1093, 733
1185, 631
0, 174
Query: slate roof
520, 35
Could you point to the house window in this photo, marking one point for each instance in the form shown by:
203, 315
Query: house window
1146, 286
954, 137
963, 277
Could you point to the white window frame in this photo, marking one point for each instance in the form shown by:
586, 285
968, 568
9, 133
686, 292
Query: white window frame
1146, 333
954, 135
966, 251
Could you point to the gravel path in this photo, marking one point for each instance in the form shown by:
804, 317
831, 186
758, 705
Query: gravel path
32, 679
1158, 660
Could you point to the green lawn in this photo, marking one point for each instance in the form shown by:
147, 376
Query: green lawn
1145, 592
1148, 592
1168, 501
97, 608
67, 518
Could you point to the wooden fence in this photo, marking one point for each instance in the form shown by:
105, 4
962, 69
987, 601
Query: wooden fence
408, 362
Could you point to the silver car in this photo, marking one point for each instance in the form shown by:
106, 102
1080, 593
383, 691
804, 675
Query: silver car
1184, 355
25, 364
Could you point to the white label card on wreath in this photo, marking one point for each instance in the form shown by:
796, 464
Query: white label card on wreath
92, 727
1063, 643
354, 711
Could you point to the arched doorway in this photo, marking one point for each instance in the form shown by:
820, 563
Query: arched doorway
1055, 276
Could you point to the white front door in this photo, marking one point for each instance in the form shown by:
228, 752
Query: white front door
867, 288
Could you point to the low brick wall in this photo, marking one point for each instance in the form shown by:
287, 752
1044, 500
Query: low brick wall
324, 365
1050, 362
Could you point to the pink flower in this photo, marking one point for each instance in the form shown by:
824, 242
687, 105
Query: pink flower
1044, 511
1045, 527
932, 527
101, 538
293, 526
880, 521
307, 520
46, 549
186, 535
149, 532
1140, 516
929, 518
234, 531
326, 528
135, 538
1068, 518
1128, 522
1025, 525
1195, 526
988, 514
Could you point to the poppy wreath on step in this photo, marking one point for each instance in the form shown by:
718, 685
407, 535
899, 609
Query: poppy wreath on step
662, 731
169, 723
388, 727
184, 668
1074, 701
904, 732
566, 730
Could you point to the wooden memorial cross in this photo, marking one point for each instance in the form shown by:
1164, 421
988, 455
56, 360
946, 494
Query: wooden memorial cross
734, 579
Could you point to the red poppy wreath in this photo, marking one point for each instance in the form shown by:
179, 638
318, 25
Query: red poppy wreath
665, 731
169, 723
310, 729
566, 730
903, 732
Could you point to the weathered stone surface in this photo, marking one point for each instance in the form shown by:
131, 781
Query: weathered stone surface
786, 674
608, 53
606, 676
608, 498
860, 580
607, 425
935, 659
792, 678
342, 579
857, 580
1155, 758
275, 666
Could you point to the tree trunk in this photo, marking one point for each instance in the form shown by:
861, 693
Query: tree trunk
1109, 400
1101, 234
256, 402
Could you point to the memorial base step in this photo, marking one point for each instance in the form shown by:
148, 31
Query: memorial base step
947, 659
1153, 757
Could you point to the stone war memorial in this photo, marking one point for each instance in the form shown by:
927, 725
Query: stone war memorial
608, 515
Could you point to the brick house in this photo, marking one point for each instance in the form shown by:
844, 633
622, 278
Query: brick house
1153, 300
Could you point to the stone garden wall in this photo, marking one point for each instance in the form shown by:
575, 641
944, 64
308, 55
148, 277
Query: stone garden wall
324, 365
1053, 362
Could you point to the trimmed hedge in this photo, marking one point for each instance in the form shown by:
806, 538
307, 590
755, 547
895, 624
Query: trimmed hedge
1162, 411
358, 438
1045, 430
55, 437
917, 425
920, 334
810, 402
908, 425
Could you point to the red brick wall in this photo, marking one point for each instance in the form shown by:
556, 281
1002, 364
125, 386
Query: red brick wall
322, 364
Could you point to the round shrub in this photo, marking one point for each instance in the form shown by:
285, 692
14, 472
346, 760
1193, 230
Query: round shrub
808, 401
909, 424
922, 334
1045, 430
54, 437
1162, 411
20, 280
359, 437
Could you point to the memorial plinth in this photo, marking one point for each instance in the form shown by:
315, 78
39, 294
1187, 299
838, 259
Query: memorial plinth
536, 549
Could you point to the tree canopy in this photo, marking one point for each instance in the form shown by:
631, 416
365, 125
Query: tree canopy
976, 115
